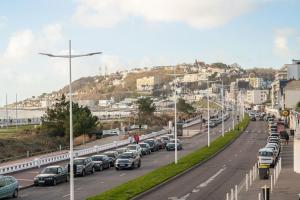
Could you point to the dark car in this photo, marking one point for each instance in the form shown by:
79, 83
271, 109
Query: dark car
121, 150
106, 161
171, 146
153, 144
9, 187
165, 139
146, 149
51, 176
253, 118
83, 166
113, 155
160, 143
128, 160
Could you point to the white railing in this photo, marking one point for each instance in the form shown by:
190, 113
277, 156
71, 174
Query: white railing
37, 162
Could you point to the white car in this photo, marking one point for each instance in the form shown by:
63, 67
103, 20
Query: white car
274, 147
266, 156
135, 148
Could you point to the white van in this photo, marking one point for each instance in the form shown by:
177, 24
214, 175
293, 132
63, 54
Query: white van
266, 156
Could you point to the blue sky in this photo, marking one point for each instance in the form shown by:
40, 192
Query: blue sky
138, 33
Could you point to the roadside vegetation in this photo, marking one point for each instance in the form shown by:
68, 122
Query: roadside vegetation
143, 183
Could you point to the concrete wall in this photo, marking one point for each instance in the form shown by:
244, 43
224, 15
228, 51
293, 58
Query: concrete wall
291, 98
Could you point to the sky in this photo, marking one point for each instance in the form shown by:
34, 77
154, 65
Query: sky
138, 33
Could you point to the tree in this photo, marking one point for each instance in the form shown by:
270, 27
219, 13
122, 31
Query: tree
146, 108
57, 119
185, 107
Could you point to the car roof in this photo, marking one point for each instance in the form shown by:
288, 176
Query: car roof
265, 149
98, 155
110, 152
53, 166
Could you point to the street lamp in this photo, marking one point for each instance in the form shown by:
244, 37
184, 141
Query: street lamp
70, 56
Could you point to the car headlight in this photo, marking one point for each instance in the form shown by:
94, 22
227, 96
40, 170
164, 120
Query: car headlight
36, 178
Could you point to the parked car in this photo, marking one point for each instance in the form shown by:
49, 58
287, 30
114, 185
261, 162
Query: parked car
128, 160
135, 148
165, 139
171, 146
51, 175
121, 150
83, 166
146, 149
106, 161
113, 155
266, 156
160, 143
153, 144
9, 187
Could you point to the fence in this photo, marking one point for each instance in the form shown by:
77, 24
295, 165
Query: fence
38, 162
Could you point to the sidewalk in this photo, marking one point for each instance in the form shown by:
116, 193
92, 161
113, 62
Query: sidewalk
287, 186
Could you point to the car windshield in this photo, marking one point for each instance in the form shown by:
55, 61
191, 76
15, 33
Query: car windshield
143, 145
151, 143
265, 153
97, 158
78, 162
125, 156
49, 171
131, 147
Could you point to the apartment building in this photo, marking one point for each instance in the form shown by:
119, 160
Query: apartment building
147, 83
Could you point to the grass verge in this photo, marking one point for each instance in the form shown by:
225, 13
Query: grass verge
143, 183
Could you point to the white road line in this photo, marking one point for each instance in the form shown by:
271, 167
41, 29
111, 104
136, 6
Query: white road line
66, 195
181, 198
204, 184
123, 174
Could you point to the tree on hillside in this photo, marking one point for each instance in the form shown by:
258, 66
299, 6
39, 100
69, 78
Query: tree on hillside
146, 108
219, 65
57, 119
185, 107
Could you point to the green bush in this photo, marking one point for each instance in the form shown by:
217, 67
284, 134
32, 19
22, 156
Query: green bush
143, 183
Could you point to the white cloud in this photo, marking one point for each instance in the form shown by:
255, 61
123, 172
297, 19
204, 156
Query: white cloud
281, 39
196, 13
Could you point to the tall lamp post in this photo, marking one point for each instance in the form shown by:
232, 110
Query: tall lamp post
70, 56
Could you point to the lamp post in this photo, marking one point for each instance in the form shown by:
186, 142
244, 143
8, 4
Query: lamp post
70, 56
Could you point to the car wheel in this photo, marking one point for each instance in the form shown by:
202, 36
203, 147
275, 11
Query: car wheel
117, 169
83, 173
132, 166
67, 179
54, 182
139, 165
16, 193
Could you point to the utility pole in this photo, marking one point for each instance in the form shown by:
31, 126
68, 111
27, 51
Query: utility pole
16, 111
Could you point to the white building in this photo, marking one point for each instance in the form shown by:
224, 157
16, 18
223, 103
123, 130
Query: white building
147, 83
256, 97
291, 94
293, 70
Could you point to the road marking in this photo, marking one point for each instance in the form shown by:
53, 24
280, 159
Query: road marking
23, 195
66, 195
20, 179
204, 184
123, 174
181, 198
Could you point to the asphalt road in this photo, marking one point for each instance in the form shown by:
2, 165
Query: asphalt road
101, 181
213, 179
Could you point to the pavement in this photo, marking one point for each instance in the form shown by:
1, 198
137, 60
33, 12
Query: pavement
213, 179
102, 181
287, 186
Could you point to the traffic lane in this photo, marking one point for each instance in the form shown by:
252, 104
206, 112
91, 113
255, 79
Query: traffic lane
25, 177
215, 178
102, 181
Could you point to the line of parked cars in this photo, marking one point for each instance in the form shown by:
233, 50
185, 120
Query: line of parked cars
128, 157
269, 154
216, 120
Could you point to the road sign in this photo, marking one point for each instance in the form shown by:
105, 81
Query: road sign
285, 113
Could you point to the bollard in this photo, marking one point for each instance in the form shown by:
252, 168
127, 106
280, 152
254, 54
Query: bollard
231, 194
247, 183
227, 196
250, 177
27, 154
274, 175
236, 192
60, 147
253, 175
259, 196
266, 192
271, 183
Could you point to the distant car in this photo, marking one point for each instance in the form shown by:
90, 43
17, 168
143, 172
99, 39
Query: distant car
104, 159
171, 146
51, 175
165, 139
128, 160
253, 118
113, 155
153, 144
83, 166
160, 143
121, 150
135, 148
146, 149
9, 187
